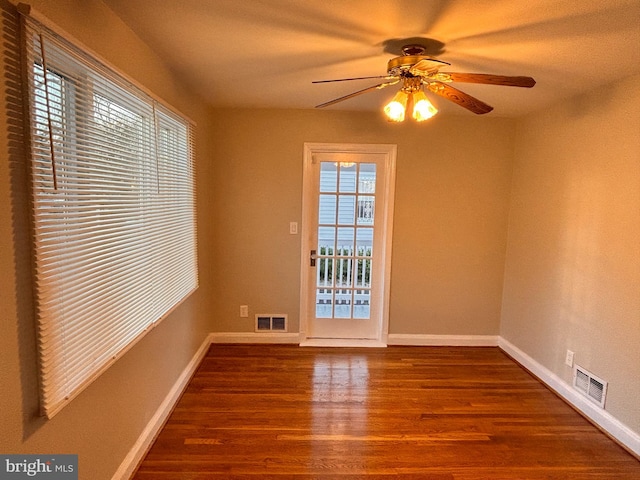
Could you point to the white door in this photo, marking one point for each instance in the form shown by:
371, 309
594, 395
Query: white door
347, 220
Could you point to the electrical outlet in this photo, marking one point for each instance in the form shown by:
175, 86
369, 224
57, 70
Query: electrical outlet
568, 360
244, 311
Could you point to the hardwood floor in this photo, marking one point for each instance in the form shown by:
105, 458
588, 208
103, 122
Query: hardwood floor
438, 413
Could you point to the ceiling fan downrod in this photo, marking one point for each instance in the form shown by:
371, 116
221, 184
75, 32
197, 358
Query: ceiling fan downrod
413, 49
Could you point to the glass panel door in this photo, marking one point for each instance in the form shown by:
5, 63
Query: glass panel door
346, 270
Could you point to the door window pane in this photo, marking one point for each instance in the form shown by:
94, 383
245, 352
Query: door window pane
367, 178
348, 173
366, 204
364, 242
327, 210
363, 273
346, 210
362, 303
325, 270
345, 241
326, 240
328, 177
344, 272
324, 303
343, 303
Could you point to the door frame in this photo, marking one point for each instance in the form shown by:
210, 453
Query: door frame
390, 152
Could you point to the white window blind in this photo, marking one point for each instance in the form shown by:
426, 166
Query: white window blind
113, 212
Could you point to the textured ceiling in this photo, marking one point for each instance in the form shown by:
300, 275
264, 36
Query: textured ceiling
265, 53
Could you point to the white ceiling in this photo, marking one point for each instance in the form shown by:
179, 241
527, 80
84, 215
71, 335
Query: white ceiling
265, 53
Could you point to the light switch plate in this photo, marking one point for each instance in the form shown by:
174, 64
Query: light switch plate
568, 360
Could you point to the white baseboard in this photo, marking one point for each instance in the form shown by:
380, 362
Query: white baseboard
392, 339
341, 342
616, 429
443, 340
254, 337
148, 435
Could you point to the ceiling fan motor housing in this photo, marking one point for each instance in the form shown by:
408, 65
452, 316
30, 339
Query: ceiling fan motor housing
399, 66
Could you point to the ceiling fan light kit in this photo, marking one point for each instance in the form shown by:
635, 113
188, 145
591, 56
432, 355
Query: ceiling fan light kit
423, 109
418, 71
411, 97
395, 109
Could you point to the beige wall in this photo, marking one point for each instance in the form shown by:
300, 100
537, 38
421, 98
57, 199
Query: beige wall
104, 421
572, 278
452, 196
572, 269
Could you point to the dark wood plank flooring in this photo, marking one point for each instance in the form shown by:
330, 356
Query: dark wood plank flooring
440, 413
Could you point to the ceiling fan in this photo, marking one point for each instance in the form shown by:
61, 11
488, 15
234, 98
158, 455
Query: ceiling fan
415, 69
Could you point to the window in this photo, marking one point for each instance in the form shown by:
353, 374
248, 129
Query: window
112, 179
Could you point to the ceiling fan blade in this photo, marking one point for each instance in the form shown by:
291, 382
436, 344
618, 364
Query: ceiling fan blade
359, 92
428, 65
456, 96
489, 79
355, 78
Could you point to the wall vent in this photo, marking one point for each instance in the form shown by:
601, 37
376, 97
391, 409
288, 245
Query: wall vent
589, 385
266, 322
